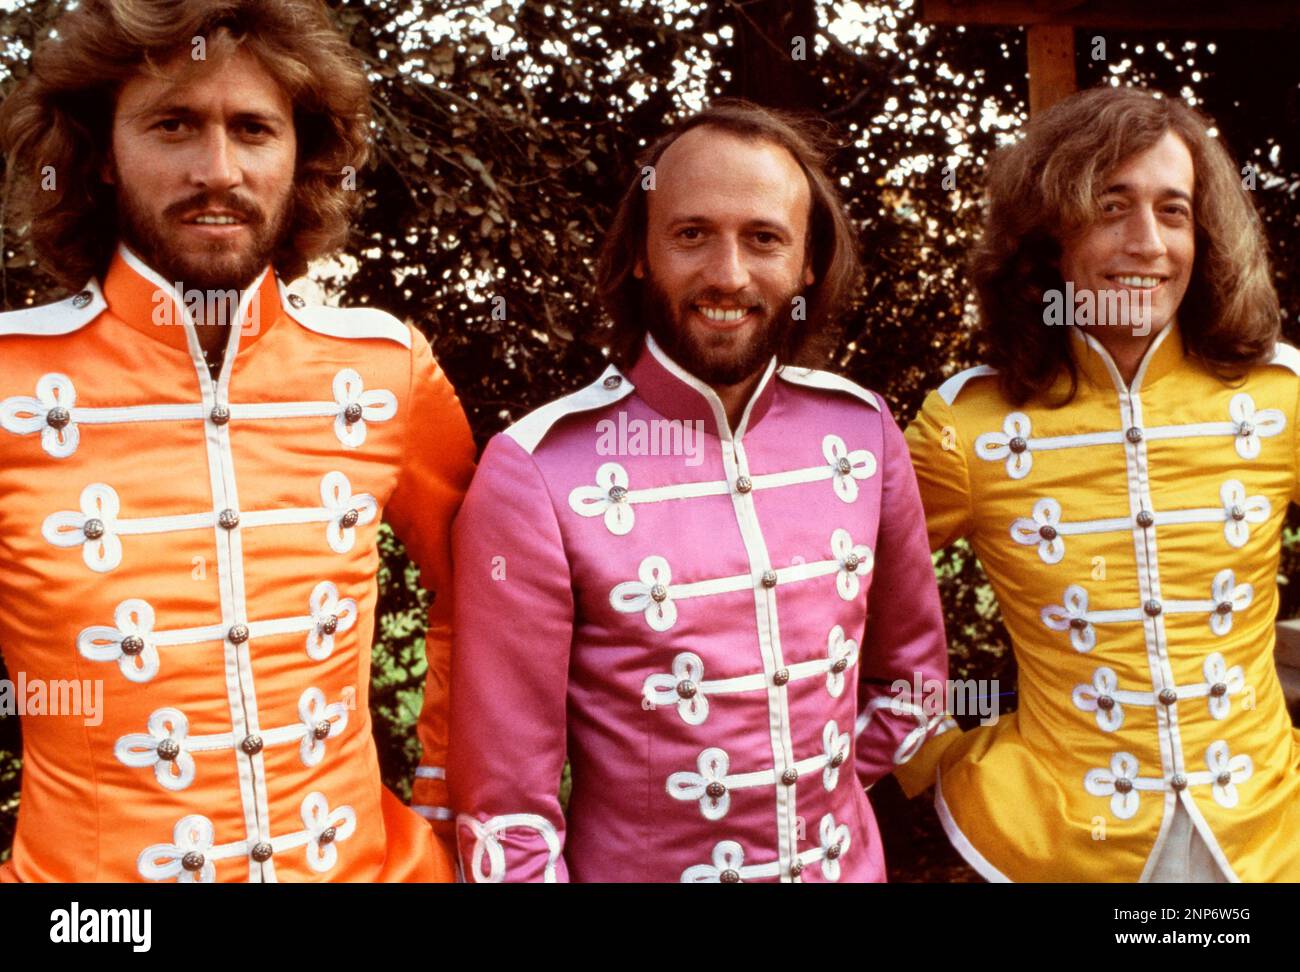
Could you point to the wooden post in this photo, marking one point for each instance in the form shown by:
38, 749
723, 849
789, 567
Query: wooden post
1051, 65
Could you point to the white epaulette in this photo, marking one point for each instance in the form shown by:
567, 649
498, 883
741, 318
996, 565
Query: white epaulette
951, 388
344, 322
62, 317
605, 390
828, 381
1286, 356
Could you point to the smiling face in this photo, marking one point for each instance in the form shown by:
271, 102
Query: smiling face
1142, 243
725, 252
203, 162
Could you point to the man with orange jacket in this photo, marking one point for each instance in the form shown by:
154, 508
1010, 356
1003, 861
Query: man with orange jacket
194, 461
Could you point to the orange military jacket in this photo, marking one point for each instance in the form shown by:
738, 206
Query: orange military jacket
206, 552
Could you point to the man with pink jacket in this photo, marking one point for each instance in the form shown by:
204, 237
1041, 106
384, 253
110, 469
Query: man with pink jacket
705, 578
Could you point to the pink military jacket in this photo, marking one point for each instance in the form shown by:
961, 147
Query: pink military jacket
712, 637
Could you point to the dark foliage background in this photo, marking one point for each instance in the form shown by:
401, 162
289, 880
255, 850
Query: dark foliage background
504, 132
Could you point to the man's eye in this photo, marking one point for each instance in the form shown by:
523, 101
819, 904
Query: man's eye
256, 129
170, 125
689, 233
1111, 206
766, 239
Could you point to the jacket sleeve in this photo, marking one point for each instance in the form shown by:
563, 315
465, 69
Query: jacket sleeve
437, 470
939, 459
903, 666
514, 630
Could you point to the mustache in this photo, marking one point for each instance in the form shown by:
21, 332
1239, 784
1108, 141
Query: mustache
243, 208
746, 298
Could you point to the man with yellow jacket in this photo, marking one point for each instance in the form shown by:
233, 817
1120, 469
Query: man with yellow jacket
1122, 470
194, 461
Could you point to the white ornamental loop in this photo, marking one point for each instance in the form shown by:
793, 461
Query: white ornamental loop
1011, 444
1239, 511
356, 407
650, 594
346, 512
1251, 425
188, 858
728, 866
836, 745
847, 467
487, 844
842, 654
608, 498
163, 747
1120, 783
1229, 597
50, 413
1100, 698
1072, 617
834, 841
1227, 771
683, 687
319, 722
94, 529
130, 643
708, 786
1042, 528
329, 616
854, 560
1221, 684
325, 828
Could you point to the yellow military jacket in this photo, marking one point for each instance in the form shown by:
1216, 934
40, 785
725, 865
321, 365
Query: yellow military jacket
1132, 538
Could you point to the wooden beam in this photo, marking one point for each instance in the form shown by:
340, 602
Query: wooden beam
1117, 14
1051, 65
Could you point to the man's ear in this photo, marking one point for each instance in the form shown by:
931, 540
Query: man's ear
809, 278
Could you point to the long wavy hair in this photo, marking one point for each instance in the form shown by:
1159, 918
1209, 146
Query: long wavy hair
831, 240
61, 115
1048, 183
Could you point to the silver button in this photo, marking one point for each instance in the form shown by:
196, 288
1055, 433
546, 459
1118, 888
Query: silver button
1134, 435
219, 415
844, 466
1123, 785
82, 299
352, 414
769, 578
1168, 696
329, 624
613, 381
297, 302
228, 519
168, 749
837, 761
1152, 607
1224, 778
237, 634
796, 868
618, 494
1237, 513
1018, 445
716, 790
93, 529
1219, 690
132, 645
349, 519
729, 876
686, 689
1105, 702
1047, 532
1178, 781
1078, 624
744, 485
327, 836
852, 562
58, 417
659, 593
839, 665
193, 861
252, 745
262, 852
781, 676
322, 729
834, 851
1224, 607
790, 776
1245, 429
1145, 519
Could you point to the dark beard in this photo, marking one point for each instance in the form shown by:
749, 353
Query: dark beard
214, 269
712, 364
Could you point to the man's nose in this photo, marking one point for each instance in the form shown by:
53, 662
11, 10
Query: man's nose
1144, 239
727, 271
215, 166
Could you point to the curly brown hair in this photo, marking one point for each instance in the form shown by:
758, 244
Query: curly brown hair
1048, 183
61, 114
832, 242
